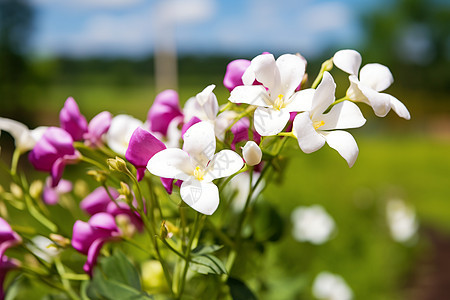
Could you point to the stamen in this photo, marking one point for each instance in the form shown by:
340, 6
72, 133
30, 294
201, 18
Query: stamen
279, 102
318, 124
199, 173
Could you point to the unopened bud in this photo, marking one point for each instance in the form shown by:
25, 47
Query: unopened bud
99, 176
36, 188
16, 191
118, 164
327, 65
59, 240
126, 192
252, 153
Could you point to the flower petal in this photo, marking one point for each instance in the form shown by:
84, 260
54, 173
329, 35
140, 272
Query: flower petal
348, 61
208, 101
165, 108
269, 121
223, 164
266, 72
234, 72
103, 221
97, 127
291, 68
98, 200
120, 132
301, 101
21, 134
201, 196
92, 255
344, 143
376, 76
200, 143
308, 138
343, 115
171, 163
143, 145
399, 108
72, 120
250, 94
186, 126
380, 102
324, 95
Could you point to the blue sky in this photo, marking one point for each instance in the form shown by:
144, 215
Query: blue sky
135, 27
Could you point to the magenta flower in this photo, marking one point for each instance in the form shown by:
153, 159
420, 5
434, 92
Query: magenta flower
8, 237
72, 120
53, 152
51, 194
234, 72
165, 108
240, 132
6, 264
97, 127
143, 145
89, 237
99, 201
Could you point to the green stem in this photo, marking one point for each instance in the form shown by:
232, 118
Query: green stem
38, 216
188, 255
326, 66
15, 161
68, 288
93, 162
243, 169
171, 248
226, 107
345, 98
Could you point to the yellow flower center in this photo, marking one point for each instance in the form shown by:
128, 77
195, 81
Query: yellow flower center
318, 124
279, 102
199, 173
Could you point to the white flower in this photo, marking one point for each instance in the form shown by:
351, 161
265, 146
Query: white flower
314, 127
44, 248
312, 224
239, 187
24, 138
373, 78
197, 166
252, 153
120, 132
402, 220
330, 286
281, 78
206, 107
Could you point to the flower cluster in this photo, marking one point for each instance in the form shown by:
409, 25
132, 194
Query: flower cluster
202, 159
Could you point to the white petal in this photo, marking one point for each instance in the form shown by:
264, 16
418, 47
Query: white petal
21, 134
249, 76
292, 69
343, 115
222, 122
208, 101
266, 72
348, 61
38, 132
344, 143
200, 143
301, 101
376, 76
308, 138
251, 94
223, 164
120, 131
193, 109
380, 102
269, 121
171, 163
324, 95
399, 108
201, 196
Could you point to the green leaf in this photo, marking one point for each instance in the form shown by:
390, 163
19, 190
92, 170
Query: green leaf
202, 249
207, 264
116, 278
239, 290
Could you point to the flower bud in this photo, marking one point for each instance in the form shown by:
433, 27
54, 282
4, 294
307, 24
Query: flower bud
99, 176
126, 192
16, 191
118, 164
327, 65
252, 153
36, 188
59, 240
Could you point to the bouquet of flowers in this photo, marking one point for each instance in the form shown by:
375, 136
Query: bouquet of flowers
161, 209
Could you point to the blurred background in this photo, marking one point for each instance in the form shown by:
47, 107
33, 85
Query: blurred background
117, 55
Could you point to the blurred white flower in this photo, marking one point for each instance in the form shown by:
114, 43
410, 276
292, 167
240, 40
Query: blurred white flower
120, 132
240, 185
330, 286
312, 224
402, 220
43, 248
24, 138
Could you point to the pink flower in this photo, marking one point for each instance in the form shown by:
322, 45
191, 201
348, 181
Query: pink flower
89, 237
233, 75
53, 152
51, 194
165, 108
